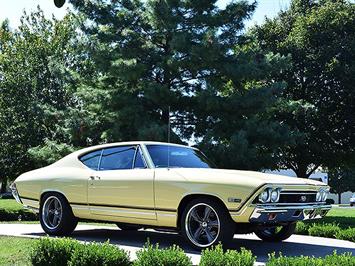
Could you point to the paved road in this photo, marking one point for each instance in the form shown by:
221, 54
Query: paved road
296, 245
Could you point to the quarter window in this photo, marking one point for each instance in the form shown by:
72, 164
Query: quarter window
117, 158
91, 159
139, 163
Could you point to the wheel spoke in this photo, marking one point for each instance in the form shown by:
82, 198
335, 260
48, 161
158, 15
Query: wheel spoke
213, 223
56, 204
198, 233
209, 235
55, 220
195, 216
207, 213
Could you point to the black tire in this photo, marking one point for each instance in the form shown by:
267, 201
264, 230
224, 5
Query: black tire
66, 222
271, 235
206, 228
128, 227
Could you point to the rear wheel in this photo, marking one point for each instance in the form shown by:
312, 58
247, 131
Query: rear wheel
205, 222
276, 233
128, 227
56, 215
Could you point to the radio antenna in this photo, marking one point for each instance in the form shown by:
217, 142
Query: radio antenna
169, 137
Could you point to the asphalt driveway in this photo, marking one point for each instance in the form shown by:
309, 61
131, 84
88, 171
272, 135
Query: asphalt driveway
132, 241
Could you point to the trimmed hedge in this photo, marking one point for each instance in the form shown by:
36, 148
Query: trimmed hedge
53, 252
99, 254
346, 234
325, 230
64, 251
10, 210
345, 259
18, 215
217, 257
153, 256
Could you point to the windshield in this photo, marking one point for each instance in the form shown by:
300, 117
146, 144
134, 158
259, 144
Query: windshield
178, 157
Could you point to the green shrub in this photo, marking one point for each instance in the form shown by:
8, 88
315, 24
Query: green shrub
345, 259
302, 228
53, 251
346, 234
99, 254
217, 257
293, 261
324, 230
153, 256
18, 215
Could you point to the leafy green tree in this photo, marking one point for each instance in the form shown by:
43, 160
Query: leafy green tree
191, 57
154, 55
34, 63
318, 104
342, 179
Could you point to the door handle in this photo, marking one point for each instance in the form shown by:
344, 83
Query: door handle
92, 177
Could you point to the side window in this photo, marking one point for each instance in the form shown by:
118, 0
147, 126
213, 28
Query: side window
139, 163
91, 159
117, 158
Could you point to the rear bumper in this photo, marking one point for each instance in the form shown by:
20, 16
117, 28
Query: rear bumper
277, 214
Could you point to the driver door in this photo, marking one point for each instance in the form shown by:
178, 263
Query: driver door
123, 185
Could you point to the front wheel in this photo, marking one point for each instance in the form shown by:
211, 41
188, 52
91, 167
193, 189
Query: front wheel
276, 233
56, 215
205, 222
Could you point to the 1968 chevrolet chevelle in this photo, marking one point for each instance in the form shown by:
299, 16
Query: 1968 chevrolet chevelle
167, 186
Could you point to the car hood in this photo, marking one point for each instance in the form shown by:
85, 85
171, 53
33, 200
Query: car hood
239, 176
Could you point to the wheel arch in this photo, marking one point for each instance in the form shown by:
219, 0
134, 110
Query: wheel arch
52, 191
188, 198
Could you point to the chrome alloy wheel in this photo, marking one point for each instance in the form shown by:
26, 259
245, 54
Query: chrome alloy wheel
52, 212
202, 225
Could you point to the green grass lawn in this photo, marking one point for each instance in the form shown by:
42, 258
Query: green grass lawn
15, 250
10, 205
344, 217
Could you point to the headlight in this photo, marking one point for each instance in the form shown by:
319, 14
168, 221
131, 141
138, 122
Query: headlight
325, 195
265, 196
319, 195
275, 195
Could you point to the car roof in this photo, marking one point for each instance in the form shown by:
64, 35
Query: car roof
113, 144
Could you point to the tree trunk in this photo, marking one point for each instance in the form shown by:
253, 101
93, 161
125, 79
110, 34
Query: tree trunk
301, 172
339, 198
3, 185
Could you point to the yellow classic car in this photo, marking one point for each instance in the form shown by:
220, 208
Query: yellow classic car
167, 186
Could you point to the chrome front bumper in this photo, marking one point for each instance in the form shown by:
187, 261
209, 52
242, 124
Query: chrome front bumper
276, 214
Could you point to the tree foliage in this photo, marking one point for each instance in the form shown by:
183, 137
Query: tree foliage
319, 98
33, 87
191, 57
341, 179
278, 96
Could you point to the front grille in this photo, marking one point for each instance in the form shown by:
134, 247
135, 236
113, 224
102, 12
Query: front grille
297, 197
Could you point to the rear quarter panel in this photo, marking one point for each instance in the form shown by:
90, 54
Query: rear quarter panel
69, 181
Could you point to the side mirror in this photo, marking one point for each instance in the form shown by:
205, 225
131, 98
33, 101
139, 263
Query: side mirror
59, 3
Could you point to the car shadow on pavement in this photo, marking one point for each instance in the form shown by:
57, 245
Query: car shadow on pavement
259, 248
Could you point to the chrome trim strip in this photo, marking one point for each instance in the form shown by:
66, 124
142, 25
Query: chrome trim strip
291, 203
269, 209
110, 210
298, 193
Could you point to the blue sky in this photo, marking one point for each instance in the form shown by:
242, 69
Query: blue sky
13, 9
